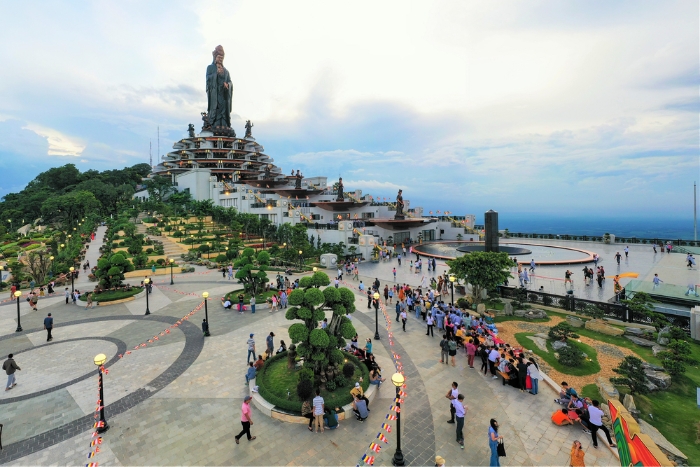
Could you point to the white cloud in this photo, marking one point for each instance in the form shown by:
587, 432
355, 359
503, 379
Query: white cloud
59, 144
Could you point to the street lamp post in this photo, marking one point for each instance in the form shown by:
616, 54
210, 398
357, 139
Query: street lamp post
205, 295
172, 261
72, 277
376, 316
301, 260
19, 323
100, 360
452, 288
397, 379
145, 284
51, 270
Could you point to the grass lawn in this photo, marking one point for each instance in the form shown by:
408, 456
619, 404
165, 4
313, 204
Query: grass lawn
674, 411
591, 390
259, 298
586, 368
283, 383
501, 319
112, 295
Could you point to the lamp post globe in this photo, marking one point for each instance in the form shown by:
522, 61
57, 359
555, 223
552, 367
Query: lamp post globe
171, 261
397, 379
18, 294
99, 361
145, 286
205, 329
376, 297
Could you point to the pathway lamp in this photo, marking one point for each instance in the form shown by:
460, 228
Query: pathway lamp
452, 287
397, 379
145, 283
205, 296
172, 261
100, 360
301, 260
376, 315
18, 294
72, 278
51, 259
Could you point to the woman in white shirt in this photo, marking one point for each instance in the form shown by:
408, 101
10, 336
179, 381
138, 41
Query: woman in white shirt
533, 371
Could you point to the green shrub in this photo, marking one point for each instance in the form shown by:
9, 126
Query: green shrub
348, 370
330, 386
149, 251
306, 374
561, 332
341, 381
160, 261
570, 356
305, 389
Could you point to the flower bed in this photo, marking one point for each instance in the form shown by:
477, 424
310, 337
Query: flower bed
277, 384
112, 295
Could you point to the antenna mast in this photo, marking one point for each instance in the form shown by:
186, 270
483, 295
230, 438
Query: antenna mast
150, 154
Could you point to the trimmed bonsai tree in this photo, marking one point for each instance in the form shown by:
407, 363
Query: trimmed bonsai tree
252, 280
110, 272
320, 348
633, 376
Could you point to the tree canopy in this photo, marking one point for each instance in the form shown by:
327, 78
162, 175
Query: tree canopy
64, 194
483, 270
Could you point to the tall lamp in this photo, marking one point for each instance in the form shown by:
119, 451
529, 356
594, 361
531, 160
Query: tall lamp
301, 260
205, 296
376, 315
72, 276
397, 379
18, 294
171, 271
146, 281
100, 360
452, 287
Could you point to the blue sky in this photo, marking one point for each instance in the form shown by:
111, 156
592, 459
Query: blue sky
543, 107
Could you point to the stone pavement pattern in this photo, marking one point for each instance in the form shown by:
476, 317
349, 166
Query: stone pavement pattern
187, 391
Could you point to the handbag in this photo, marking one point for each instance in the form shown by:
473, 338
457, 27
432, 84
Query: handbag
528, 382
501, 449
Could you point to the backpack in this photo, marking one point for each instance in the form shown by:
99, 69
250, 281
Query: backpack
445, 345
452, 345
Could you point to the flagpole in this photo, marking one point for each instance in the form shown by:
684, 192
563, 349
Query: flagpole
695, 211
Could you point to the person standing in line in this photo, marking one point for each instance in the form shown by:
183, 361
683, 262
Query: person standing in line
627, 251
48, 325
270, 341
460, 412
403, 319
596, 423
618, 256
576, 456
493, 359
430, 325
246, 420
251, 348
471, 353
494, 438
444, 349
483, 353
533, 371
452, 395
452, 346
657, 282
10, 367
319, 409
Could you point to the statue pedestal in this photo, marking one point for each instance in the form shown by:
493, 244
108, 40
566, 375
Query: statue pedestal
399, 217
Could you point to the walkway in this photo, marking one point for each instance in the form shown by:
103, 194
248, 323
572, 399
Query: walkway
168, 403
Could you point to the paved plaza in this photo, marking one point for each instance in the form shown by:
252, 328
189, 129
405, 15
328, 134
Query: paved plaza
177, 400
